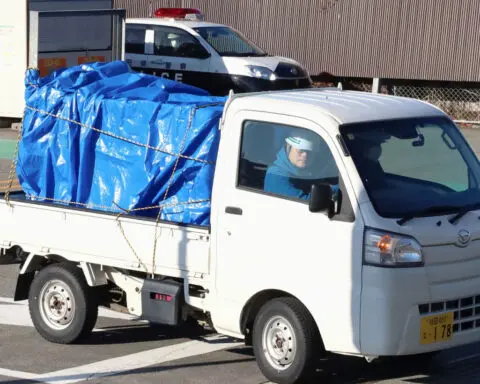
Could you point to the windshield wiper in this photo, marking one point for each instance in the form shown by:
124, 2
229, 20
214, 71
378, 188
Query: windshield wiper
463, 211
430, 210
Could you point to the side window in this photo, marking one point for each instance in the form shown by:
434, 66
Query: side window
224, 40
284, 160
177, 42
135, 38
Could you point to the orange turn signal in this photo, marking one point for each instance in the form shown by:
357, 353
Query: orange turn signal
385, 244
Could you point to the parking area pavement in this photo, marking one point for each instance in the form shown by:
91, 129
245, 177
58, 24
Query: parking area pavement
473, 137
124, 350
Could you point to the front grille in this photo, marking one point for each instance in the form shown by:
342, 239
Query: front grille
466, 313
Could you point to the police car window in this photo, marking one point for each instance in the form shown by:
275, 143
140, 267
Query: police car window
135, 38
284, 160
176, 42
227, 42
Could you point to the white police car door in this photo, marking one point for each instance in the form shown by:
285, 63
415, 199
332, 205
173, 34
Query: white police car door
170, 52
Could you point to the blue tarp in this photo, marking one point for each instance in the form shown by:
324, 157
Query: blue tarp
129, 161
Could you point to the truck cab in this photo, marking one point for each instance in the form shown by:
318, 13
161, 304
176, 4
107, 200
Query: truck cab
388, 267
177, 44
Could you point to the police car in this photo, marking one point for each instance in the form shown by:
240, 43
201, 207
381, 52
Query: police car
179, 45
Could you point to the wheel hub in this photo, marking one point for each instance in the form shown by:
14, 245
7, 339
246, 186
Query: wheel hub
57, 306
279, 343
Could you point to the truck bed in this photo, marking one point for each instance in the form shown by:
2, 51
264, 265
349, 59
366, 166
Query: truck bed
81, 234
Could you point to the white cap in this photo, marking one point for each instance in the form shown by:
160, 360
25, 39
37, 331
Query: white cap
301, 140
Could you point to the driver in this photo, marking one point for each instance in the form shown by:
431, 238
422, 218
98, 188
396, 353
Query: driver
291, 174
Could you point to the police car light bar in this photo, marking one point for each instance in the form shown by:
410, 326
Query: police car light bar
179, 13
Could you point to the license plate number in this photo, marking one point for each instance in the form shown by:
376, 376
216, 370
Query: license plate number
436, 328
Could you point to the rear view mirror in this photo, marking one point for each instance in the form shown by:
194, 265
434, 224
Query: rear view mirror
320, 198
420, 142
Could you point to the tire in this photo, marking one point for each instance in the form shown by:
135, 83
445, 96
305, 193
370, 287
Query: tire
287, 319
64, 285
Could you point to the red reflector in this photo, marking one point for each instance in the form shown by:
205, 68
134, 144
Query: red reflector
176, 13
162, 297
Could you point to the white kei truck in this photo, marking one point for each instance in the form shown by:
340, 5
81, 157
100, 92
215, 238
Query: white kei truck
388, 265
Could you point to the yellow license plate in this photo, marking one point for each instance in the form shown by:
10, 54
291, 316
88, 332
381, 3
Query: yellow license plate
436, 328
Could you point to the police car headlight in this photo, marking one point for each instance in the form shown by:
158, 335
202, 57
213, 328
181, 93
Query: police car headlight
261, 72
391, 250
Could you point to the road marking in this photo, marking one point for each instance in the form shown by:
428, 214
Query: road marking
16, 313
17, 374
130, 362
468, 357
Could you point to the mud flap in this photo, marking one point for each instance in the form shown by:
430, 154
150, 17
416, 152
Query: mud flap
23, 286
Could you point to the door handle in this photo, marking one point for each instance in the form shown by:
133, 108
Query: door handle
234, 210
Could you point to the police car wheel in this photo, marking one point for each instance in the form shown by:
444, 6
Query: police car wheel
62, 306
286, 342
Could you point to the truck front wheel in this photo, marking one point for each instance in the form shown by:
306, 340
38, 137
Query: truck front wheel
286, 341
62, 306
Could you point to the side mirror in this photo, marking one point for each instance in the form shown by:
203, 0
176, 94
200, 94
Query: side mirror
321, 198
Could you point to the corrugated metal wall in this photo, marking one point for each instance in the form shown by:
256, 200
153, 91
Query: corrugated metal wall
409, 39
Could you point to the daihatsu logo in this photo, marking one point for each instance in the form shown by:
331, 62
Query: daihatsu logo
463, 238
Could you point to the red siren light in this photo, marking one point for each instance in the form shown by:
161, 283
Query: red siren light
179, 13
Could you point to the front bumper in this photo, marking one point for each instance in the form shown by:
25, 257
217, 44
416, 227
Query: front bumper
250, 84
395, 300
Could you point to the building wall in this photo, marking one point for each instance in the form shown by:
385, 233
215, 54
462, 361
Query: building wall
395, 39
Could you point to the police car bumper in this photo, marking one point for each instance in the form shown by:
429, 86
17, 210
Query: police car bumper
250, 84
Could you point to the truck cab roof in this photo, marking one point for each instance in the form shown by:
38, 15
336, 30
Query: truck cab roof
343, 106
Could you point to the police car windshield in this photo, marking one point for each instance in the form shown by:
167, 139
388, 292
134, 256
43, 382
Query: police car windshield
228, 42
410, 165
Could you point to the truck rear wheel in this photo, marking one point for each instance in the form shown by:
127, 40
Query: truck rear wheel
62, 306
286, 341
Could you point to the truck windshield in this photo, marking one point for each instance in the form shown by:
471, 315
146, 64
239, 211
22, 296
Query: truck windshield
228, 42
414, 167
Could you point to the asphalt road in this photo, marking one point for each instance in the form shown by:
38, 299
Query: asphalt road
123, 350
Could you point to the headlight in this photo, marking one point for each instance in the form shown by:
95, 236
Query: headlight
389, 250
261, 72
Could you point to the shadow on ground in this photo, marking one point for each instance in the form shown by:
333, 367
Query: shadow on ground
141, 332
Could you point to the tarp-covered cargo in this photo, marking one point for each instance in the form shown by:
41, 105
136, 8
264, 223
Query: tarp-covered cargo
105, 137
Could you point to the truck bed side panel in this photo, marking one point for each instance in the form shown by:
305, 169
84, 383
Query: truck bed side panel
101, 238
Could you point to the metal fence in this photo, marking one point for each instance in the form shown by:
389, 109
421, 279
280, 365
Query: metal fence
462, 104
